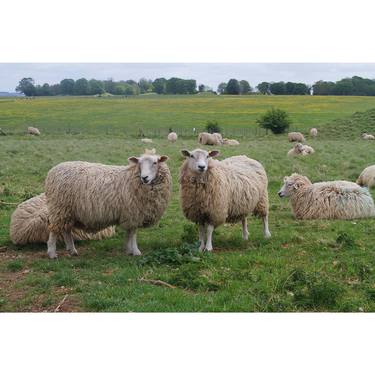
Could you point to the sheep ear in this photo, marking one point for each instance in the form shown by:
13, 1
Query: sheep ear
213, 153
163, 158
185, 153
133, 159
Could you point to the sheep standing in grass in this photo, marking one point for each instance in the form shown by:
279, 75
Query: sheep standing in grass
215, 192
172, 137
313, 132
29, 224
367, 177
230, 142
327, 200
95, 196
214, 139
368, 137
33, 131
296, 137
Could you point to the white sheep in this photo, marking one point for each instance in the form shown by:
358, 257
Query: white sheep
313, 132
367, 177
146, 140
366, 136
327, 200
96, 196
296, 137
215, 192
172, 137
29, 224
214, 139
33, 131
296, 150
230, 142
307, 150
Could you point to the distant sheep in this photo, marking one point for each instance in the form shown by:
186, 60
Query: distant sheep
327, 200
366, 136
97, 196
313, 132
29, 224
296, 137
367, 177
215, 192
307, 150
296, 150
33, 131
146, 140
214, 139
172, 137
230, 142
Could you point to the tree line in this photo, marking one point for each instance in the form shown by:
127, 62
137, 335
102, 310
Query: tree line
347, 86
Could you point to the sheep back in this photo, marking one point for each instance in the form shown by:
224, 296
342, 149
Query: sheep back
367, 177
296, 137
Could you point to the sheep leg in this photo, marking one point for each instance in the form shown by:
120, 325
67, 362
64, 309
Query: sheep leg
202, 232
131, 244
266, 231
210, 229
136, 251
245, 232
51, 243
69, 243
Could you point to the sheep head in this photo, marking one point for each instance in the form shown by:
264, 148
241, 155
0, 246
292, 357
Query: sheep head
198, 159
148, 165
292, 184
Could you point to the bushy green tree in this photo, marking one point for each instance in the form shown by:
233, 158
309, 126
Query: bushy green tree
245, 87
264, 88
26, 86
67, 86
276, 120
212, 126
233, 87
222, 87
81, 87
160, 85
277, 88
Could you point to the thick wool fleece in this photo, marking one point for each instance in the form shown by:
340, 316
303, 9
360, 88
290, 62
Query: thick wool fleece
95, 196
296, 137
330, 200
228, 191
29, 224
210, 139
367, 177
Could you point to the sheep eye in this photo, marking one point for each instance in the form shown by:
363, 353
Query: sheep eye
191, 156
155, 163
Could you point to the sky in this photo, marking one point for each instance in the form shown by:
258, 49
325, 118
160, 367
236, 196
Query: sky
210, 74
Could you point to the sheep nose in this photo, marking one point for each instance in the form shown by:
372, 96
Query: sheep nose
145, 179
201, 167
280, 194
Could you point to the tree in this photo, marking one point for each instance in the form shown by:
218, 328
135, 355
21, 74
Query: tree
96, 87
264, 88
233, 87
212, 126
110, 86
26, 86
275, 120
245, 87
277, 88
323, 88
160, 85
81, 87
67, 87
201, 88
222, 87
145, 85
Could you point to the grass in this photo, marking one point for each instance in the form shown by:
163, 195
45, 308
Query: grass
315, 265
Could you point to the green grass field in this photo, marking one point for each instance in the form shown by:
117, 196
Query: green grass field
306, 266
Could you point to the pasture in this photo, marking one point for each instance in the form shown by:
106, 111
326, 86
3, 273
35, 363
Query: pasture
314, 265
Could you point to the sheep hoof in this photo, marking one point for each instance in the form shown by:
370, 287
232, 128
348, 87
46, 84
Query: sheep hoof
74, 252
136, 252
245, 237
201, 247
267, 235
52, 255
208, 249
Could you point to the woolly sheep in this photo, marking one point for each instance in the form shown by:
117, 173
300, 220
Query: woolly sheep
368, 136
307, 150
33, 131
230, 142
296, 150
214, 139
172, 137
146, 140
367, 177
327, 200
215, 192
296, 137
29, 224
313, 132
97, 195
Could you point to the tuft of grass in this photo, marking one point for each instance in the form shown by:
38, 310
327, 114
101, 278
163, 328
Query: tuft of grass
15, 265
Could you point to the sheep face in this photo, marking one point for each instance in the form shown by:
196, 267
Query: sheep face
298, 148
148, 165
198, 159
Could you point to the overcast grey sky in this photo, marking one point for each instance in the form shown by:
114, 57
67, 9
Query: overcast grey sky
207, 73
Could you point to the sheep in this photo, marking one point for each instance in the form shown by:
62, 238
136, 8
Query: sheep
307, 150
95, 196
296, 137
313, 132
146, 140
29, 224
366, 136
327, 200
33, 131
296, 150
215, 192
230, 142
214, 139
172, 137
367, 177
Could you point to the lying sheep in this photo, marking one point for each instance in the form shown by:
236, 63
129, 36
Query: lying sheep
296, 137
214, 139
230, 142
367, 177
215, 192
307, 150
313, 132
327, 200
296, 150
33, 131
95, 196
367, 136
172, 137
146, 140
29, 224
